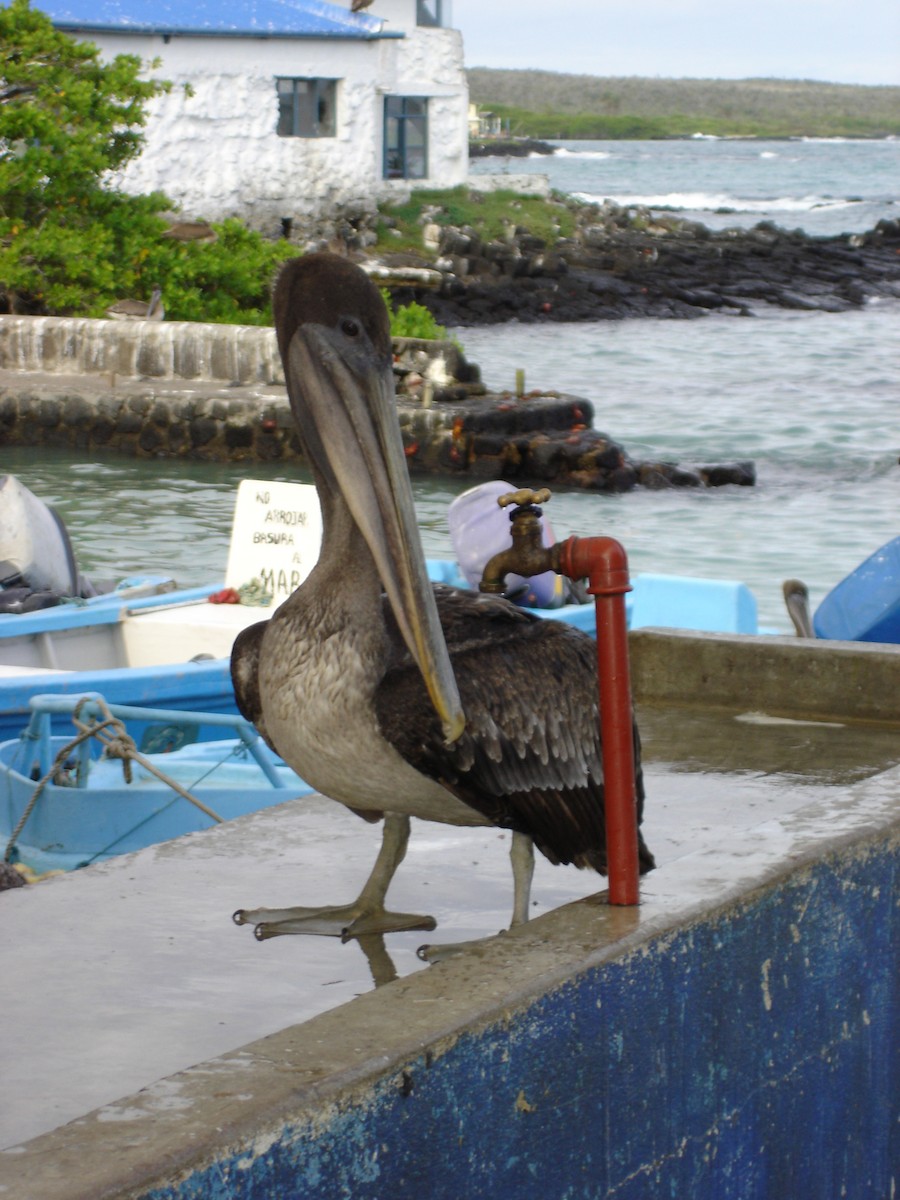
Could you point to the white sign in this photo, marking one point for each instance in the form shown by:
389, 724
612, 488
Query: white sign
275, 536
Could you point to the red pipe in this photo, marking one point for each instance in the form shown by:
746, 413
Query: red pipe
604, 563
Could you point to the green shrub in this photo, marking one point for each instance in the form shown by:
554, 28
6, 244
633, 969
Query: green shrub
413, 320
66, 119
224, 282
69, 243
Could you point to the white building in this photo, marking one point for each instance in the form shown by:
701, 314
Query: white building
288, 108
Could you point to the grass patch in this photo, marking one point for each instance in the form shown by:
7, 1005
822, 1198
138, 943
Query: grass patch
412, 320
490, 214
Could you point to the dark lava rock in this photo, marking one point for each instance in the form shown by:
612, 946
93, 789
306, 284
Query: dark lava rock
659, 476
508, 148
546, 439
623, 264
741, 473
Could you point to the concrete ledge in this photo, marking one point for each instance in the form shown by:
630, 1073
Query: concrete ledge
730, 1038
781, 675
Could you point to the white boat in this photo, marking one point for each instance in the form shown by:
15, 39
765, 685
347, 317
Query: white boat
170, 649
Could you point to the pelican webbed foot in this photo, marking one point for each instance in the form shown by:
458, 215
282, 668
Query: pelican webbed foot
366, 915
345, 921
521, 855
438, 952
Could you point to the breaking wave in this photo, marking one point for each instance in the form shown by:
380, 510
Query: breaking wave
722, 202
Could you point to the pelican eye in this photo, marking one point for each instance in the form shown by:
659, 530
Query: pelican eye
351, 327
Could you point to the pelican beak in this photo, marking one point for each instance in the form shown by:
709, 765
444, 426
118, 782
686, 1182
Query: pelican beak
342, 395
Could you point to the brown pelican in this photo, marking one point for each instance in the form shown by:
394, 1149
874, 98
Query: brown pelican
138, 310
796, 601
393, 696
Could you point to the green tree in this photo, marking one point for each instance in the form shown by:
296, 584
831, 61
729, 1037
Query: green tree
66, 120
69, 241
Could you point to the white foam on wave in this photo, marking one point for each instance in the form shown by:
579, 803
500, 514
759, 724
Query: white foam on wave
564, 152
721, 201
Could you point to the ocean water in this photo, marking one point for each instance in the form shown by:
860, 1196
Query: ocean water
821, 185
812, 398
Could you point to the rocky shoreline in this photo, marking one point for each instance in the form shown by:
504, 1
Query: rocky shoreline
625, 263
216, 393
509, 148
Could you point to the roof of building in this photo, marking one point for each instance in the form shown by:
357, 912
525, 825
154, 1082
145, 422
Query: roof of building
219, 18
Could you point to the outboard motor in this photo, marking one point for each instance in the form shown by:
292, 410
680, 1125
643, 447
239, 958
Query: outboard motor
37, 562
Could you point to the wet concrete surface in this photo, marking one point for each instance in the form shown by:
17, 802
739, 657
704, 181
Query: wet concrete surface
127, 972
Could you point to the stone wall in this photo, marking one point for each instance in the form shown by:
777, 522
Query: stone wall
187, 390
217, 393
183, 351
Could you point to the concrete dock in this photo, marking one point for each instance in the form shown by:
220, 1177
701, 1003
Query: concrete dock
152, 1048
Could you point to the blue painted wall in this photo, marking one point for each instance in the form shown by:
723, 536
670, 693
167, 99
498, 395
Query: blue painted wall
751, 1056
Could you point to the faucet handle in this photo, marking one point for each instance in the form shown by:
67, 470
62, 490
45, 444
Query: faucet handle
524, 496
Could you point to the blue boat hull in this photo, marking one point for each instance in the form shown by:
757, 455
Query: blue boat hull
865, 607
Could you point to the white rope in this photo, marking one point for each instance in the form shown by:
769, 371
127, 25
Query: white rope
117, 743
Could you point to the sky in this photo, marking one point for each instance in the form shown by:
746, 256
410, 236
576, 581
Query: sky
834, 41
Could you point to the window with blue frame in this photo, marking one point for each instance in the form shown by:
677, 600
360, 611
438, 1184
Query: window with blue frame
306, 107
405, 137
435, 13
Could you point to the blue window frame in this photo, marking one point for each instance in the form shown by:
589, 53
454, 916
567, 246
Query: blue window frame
306, 107
435, 13
405, 137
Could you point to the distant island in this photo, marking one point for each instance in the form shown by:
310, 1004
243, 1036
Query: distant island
550, 105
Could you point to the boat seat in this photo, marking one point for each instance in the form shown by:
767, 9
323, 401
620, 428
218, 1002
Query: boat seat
675, 601
445, 570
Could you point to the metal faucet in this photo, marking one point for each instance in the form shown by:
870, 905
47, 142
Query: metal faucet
527, 555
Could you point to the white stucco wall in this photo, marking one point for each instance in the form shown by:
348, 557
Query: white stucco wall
216, 153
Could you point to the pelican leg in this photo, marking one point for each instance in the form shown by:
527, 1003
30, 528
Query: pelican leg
366, 915
521, 855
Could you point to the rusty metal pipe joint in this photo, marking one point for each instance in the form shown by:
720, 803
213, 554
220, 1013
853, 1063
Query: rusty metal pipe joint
604, 563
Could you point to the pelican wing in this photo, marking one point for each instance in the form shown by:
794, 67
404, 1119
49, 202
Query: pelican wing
530, 757
245, 677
